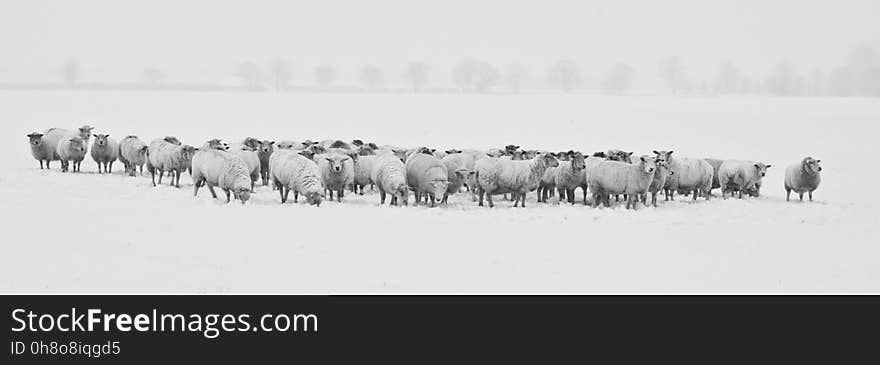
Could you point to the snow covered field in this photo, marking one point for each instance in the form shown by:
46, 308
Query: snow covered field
94, 233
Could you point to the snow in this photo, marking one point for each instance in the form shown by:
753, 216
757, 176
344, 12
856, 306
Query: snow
97, 233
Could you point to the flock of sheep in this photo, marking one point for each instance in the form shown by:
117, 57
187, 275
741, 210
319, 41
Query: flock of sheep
320, 170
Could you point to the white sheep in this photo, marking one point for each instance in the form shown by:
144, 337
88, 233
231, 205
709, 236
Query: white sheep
740, 176
460, 166
690, 175
337, 172
290, 171
389, 175
426, 176
264, 151
53, 136
803, 178
657, 184
133, 154
41, 150
547, 185
164, 155
251, 158
363, 168
224, 170
105, 151
518, 177
615, 177
716, 165
569, 176
72, 149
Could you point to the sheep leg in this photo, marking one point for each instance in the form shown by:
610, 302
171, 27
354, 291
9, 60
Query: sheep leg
523, 199
801, 195
695, 193
296, 196
211, 189
788, 194
489, 198
382, 197
110, 168
286, 194
811, 195
480, 193
393, 201
228, 199
339, 195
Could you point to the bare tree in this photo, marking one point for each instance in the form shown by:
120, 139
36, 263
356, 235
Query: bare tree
816, 83
565, 75
325, 75
372, 78
281, 73
781, 80
515, 77
152, 76
728, 79
250, 75
70, 73
618, 79
474, 75
417, 75
672, 71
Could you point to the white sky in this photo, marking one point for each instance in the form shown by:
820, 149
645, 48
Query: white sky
116, 39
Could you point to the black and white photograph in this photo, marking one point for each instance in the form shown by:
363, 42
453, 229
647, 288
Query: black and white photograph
393, 147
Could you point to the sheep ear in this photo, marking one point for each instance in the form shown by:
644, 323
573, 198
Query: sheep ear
669, 153
643, 159
818, 161
629, 153
656, 153
272, 143
767, 167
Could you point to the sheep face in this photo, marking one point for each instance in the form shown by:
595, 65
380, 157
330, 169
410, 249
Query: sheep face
252, 143
316, 149
337, 163
510, 148
438, 188
811, 165
664, 156
618, 155
365, 151
549, 159
452, 151
266, 147
101, 140
401, 154
761, 169
187, 152
648, 165
663, 167
216, 144
285, 145
36, 139
243, 194
402, 193
85, 132
314, 198
577, 160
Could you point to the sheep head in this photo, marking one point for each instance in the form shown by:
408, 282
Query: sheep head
647, 164
761, 169
438, 189
266, 147
337, 162
101, 140
242, 193
548, 159
811, 165
314, 198
86, 132
577, 160
665, 156
35, 139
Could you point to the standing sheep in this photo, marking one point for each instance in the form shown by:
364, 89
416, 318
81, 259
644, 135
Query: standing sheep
389, 175
689, 175
740, 176
363, 168
133, 153
251, 158
105, 151
803, 178
459, 160
570, 175
290, 171
547, 185
337, 172
73, 150
265, 153
615, 177
41, 150
166, 156
54, 136
427, 177
502, 176
657, 183
224, 170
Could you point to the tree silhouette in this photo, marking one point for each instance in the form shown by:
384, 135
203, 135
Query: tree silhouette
325, 75
280, 73
417, 75
565, 75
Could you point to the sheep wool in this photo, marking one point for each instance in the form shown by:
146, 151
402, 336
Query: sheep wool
690, 175
290, 171
716, 165
741, 176
569, 176
105, 151
41, 150
72, 149
251, 158
657, 183
133, 153
389, 175
427, 176
337, 172
167, 156
221, 169
803, 178
363, 168
615, 177
502, 176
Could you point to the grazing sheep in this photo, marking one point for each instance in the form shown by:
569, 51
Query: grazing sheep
53, 136
264, 152
389, 175
133, 154
500, 176
427, 176
463, 161
337, 172
251, 158
803, 178
363, 168
740, 176
164, 155
224, 170
716, 165
69, 150
658, 182
41, 150
569, 176
459, 174
290, 171
616, 177
105, 151
689, 175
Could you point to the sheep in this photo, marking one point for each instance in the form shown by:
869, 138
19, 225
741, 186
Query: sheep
133, 153
164, 155
716, 165
462, 160
547, 185
224, 170
658, 182
458, 173
802, 178
499, 176
264, 152
288, 145
251, 158
389, 175
290, 171
53, 136
363, 168
689, 175
337, 172
616, 177
740, 176
569, 176
72, 149
105, 151
427, 176
41, 150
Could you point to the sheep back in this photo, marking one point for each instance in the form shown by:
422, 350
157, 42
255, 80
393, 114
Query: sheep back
287, 168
